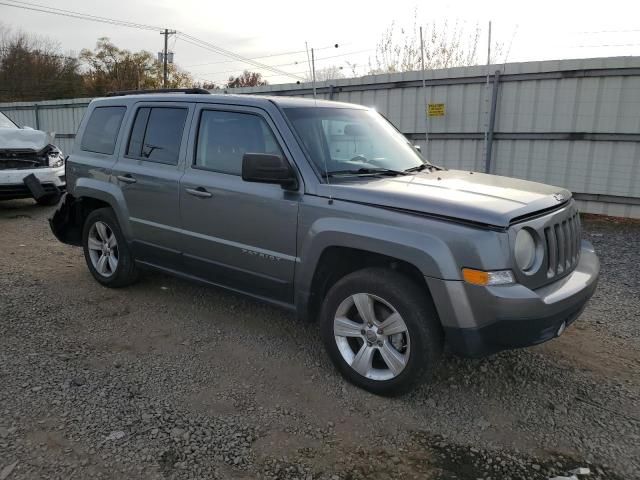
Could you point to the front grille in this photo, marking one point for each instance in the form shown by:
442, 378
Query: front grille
562, 243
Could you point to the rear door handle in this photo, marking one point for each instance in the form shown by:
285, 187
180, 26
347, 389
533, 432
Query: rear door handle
126, 178
200, 192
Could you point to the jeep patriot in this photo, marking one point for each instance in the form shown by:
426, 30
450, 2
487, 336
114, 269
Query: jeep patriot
326, 209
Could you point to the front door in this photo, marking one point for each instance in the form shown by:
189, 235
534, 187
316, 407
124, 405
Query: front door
148, 171
238, 234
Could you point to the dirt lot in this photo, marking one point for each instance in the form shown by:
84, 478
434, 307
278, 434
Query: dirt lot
167, 379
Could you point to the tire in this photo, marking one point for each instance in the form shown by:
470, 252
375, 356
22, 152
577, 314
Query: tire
119, 273
49, 200
419, 346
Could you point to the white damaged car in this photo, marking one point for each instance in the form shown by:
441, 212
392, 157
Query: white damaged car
31, 166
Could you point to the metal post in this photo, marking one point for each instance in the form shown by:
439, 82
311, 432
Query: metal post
36, 109
424, 92
489, 46
486, 99
313, 70
492, 120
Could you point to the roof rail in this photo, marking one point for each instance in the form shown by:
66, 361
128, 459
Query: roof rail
159, 90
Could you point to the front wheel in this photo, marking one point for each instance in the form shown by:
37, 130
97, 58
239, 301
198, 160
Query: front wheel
106, 251
381, 331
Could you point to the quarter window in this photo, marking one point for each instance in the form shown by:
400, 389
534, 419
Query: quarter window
157, 134
224, 138
102, 129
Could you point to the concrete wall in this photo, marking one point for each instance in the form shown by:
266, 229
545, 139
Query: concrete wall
571, 123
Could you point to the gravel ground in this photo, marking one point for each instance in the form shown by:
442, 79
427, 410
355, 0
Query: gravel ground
167, 379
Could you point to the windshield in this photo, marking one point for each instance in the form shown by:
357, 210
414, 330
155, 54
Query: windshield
5, 122
343, 140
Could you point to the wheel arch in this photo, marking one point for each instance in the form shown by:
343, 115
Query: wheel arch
88, 195
94, 193
329, 254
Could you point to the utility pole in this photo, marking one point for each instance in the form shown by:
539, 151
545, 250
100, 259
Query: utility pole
306, 46
313, 69
165, 56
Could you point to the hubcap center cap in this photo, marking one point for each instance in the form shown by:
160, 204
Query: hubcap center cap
371, 336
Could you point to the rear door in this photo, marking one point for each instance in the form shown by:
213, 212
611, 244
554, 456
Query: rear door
238, 234
148, 171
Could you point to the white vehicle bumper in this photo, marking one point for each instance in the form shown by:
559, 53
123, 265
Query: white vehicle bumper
12, 184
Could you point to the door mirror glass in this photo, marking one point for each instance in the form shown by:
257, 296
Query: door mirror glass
266, 168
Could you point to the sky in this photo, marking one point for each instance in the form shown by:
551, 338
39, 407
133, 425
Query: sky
276, 31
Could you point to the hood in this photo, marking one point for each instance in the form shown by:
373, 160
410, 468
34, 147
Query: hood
474, 197
21, 139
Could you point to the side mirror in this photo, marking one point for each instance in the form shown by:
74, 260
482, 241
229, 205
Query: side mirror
417, 147
266, 168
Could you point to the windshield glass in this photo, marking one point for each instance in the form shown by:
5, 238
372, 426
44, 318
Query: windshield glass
343, 140
5, 122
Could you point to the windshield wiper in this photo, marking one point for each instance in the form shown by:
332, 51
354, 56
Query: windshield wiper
367, 171
421, 167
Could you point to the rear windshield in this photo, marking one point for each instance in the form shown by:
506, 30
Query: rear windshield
5, 122
102, 129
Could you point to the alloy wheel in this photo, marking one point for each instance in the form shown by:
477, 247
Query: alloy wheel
103, 249
371, 336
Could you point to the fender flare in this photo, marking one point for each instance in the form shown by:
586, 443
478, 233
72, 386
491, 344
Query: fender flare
108, 193
428, 253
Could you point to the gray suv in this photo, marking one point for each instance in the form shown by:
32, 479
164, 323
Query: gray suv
325, 209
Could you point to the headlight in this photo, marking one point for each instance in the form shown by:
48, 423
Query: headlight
524, 250
56, 159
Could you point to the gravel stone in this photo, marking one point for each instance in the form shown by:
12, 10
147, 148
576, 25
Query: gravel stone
198, 383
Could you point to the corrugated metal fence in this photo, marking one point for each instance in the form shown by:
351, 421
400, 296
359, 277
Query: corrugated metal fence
571, 123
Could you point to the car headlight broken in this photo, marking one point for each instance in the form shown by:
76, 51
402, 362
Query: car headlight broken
55, 157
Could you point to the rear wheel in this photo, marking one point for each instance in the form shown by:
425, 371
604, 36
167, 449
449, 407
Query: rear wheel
106, 251
381, 331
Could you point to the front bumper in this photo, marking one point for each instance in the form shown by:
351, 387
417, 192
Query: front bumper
12, 181
479, 321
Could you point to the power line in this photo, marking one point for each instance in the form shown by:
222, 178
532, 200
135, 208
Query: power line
610, 31
294, 52
213, 48
610, 45
296, 63
186, 37
78, 15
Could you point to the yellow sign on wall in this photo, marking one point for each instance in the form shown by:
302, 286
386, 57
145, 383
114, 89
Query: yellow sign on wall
436, 110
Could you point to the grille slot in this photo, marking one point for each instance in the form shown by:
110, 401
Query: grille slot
562, 242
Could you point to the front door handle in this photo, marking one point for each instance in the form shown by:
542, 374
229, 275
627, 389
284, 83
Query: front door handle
200, 192
126, 178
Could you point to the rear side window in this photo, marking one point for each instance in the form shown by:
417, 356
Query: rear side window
224, 138
102, 129
157, 134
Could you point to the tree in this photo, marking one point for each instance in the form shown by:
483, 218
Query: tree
207, 85
34, 68
445, 46
327, 73
110, 68
247, 79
